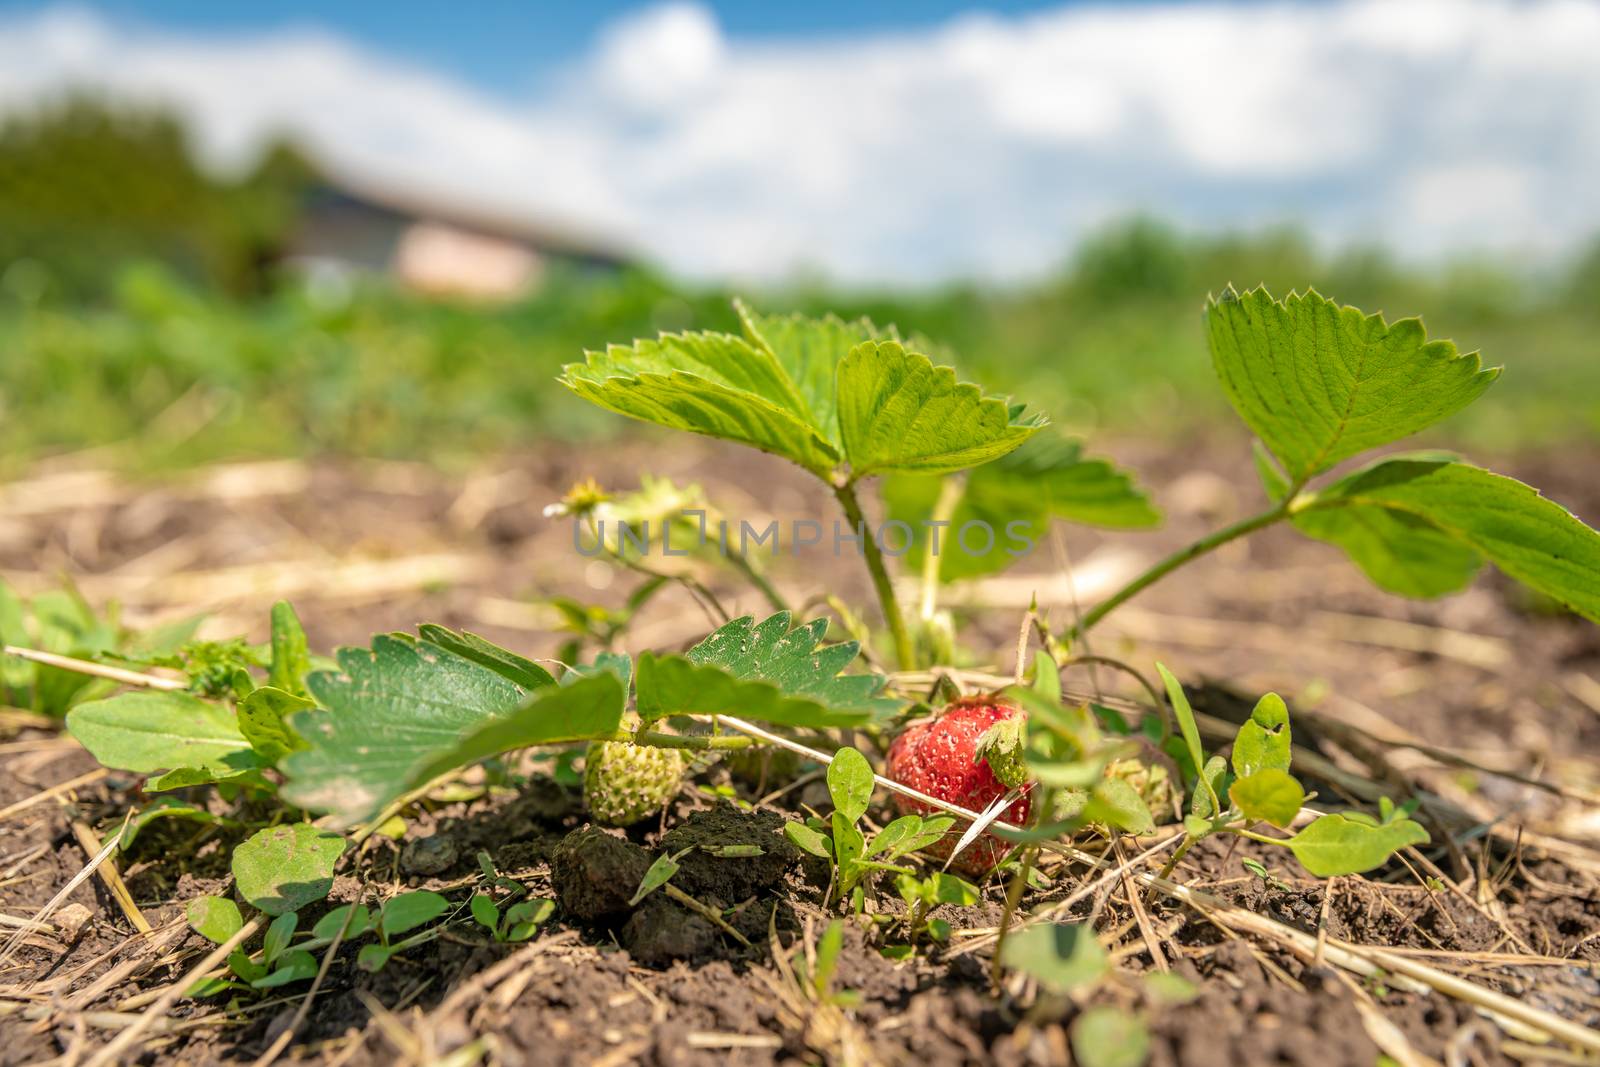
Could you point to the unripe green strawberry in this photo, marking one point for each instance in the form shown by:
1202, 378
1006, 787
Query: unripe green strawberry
624, 782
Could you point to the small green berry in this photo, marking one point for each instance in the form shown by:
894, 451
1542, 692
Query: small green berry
624, 782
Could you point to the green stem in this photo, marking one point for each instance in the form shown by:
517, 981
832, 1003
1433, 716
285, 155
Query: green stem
1183, 850
896, 622
1184, 555
657, 739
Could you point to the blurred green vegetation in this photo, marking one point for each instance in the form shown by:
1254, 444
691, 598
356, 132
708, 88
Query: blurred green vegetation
141, 308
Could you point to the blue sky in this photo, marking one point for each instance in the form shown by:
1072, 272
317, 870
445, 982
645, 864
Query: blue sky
506, 46
896, 142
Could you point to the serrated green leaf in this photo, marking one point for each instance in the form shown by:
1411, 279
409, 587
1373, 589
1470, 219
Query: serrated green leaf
850, 783
406, 712
1268, 795
1319, 383
1012, 501
284, 868
291, 659
707, 383
1062, 956
263, 720
899, 412
517, 669
795, 661
673, 685
1529, 537
1104, 1036
1336, 844
146, 731
410, 910
1272, 477
809, 351
214, 918
1265, 739
1113, 802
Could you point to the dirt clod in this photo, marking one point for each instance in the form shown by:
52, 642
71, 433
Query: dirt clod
660, 932
595, 873
730, 878
429, 855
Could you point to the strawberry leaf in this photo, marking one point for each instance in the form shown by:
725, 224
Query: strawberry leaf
1530, 538
1338, 844
822, 393
707, 383
407, 711
673, 685
795, 661
899, 412
517, 669
146, 731
1015, 497
1319, 383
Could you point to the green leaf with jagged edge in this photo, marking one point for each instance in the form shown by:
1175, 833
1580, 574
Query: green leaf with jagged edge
1529, 537
1264, 740
707, 383
1339, 844
899, 412
147, 731
795, 660
809, 351
517, 669
1268, 795
1319, 383
673, 685
393, 717
819, 392
1012, 500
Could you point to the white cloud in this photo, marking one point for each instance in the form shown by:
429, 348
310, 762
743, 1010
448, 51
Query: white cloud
981, 146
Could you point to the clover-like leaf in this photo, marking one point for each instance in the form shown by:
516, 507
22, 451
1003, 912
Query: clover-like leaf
214, 918
795, 661
284, 868
899, 412
1268, 795
1529, 537
1005, 507
1319, 383
1264, 740
850, 783
1338, 844
1062, 956
148, 730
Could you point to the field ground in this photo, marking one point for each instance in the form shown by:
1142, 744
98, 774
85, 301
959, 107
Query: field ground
1482, 705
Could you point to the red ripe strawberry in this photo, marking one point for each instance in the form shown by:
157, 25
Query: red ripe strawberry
939, 756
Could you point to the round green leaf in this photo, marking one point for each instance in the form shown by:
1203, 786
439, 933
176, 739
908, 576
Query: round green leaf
284, 868
1062, 956
850, 783
1110, 1037
214, 918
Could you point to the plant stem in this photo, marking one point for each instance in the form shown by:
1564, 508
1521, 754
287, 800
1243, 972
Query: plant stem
1184, 555
1172, 863
846, 495
658, 739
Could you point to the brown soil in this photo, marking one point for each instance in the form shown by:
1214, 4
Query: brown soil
1482, 703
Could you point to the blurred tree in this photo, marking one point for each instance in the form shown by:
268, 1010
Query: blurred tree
86, 187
